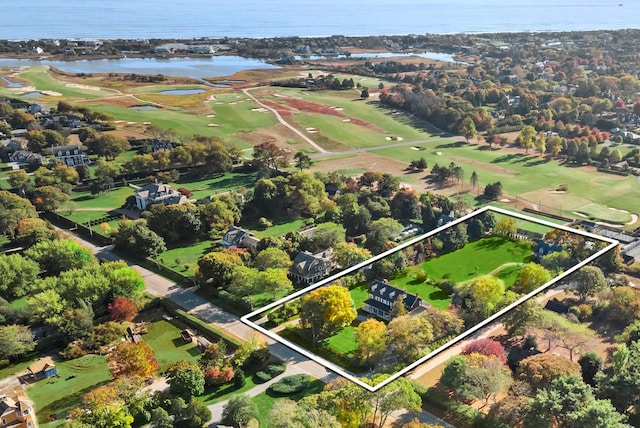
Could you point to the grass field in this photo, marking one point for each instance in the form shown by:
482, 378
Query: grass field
179, 257
533, 179
343, 342
164, 338
598, 212
59, 394
42, 80
477, 258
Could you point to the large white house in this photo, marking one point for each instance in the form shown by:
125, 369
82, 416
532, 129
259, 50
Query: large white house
157, 193
70, 155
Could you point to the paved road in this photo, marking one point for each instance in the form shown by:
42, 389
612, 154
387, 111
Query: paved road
188, 300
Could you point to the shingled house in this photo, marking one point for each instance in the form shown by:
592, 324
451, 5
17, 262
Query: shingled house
382, 296
237, 237
308, 268
70, 155
157, 193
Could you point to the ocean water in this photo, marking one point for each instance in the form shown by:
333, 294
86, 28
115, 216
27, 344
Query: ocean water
108, 19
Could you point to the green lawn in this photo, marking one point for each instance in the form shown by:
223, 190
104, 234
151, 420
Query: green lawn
509, 274
180, 257
477, 258
208, 186
42, 80
57, 395
265, 401
164, 338
532, 178
280, 229
598, 212
112, 199
343, 342
427, 292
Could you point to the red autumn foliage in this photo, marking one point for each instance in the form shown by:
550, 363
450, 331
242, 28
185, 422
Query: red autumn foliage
123, 309
218, 375
486, 347
186, 192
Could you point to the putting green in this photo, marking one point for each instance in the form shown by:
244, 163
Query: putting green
602, 213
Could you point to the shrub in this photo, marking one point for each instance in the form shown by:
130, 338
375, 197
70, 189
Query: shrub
291, 384
218, 375
264, 222
72, 351
257, 359
421, 276
239, 379
271, 371
583, 311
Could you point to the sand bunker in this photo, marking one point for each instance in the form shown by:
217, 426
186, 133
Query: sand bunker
260, 110
438, 153
213, 124
346, 120
387, 138
146, 123
211, 115
78, 86
399, 138
505, 200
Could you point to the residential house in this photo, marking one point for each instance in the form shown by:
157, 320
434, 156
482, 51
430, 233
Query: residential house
158, 145
382, 296
309, 268
42, 369
70, 155
16, 410
157, 193
445, 219
38, 108
237, 237
25, 157
543, 248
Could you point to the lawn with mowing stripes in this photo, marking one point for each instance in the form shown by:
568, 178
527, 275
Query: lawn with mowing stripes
62, 393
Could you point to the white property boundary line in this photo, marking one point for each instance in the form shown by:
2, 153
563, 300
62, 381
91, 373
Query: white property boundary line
342, 372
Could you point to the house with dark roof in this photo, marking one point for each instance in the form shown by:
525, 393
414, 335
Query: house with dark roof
382, 296
70, 155
543, 248
157, 193
237, 237
308, 268
42, 369
157, 145
25, 157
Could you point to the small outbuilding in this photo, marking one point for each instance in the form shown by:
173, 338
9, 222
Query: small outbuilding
42, 369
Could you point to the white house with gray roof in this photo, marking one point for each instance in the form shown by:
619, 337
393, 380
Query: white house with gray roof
157, 193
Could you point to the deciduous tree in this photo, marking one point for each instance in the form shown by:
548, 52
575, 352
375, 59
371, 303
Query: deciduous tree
17, 341
541, 370
326, 310
132, 359
123, 309
587, 282
185, 379
371, 337
216, 268
531, 276
240, 409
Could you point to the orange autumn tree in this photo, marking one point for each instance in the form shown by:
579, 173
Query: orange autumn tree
123, 309
132, 360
